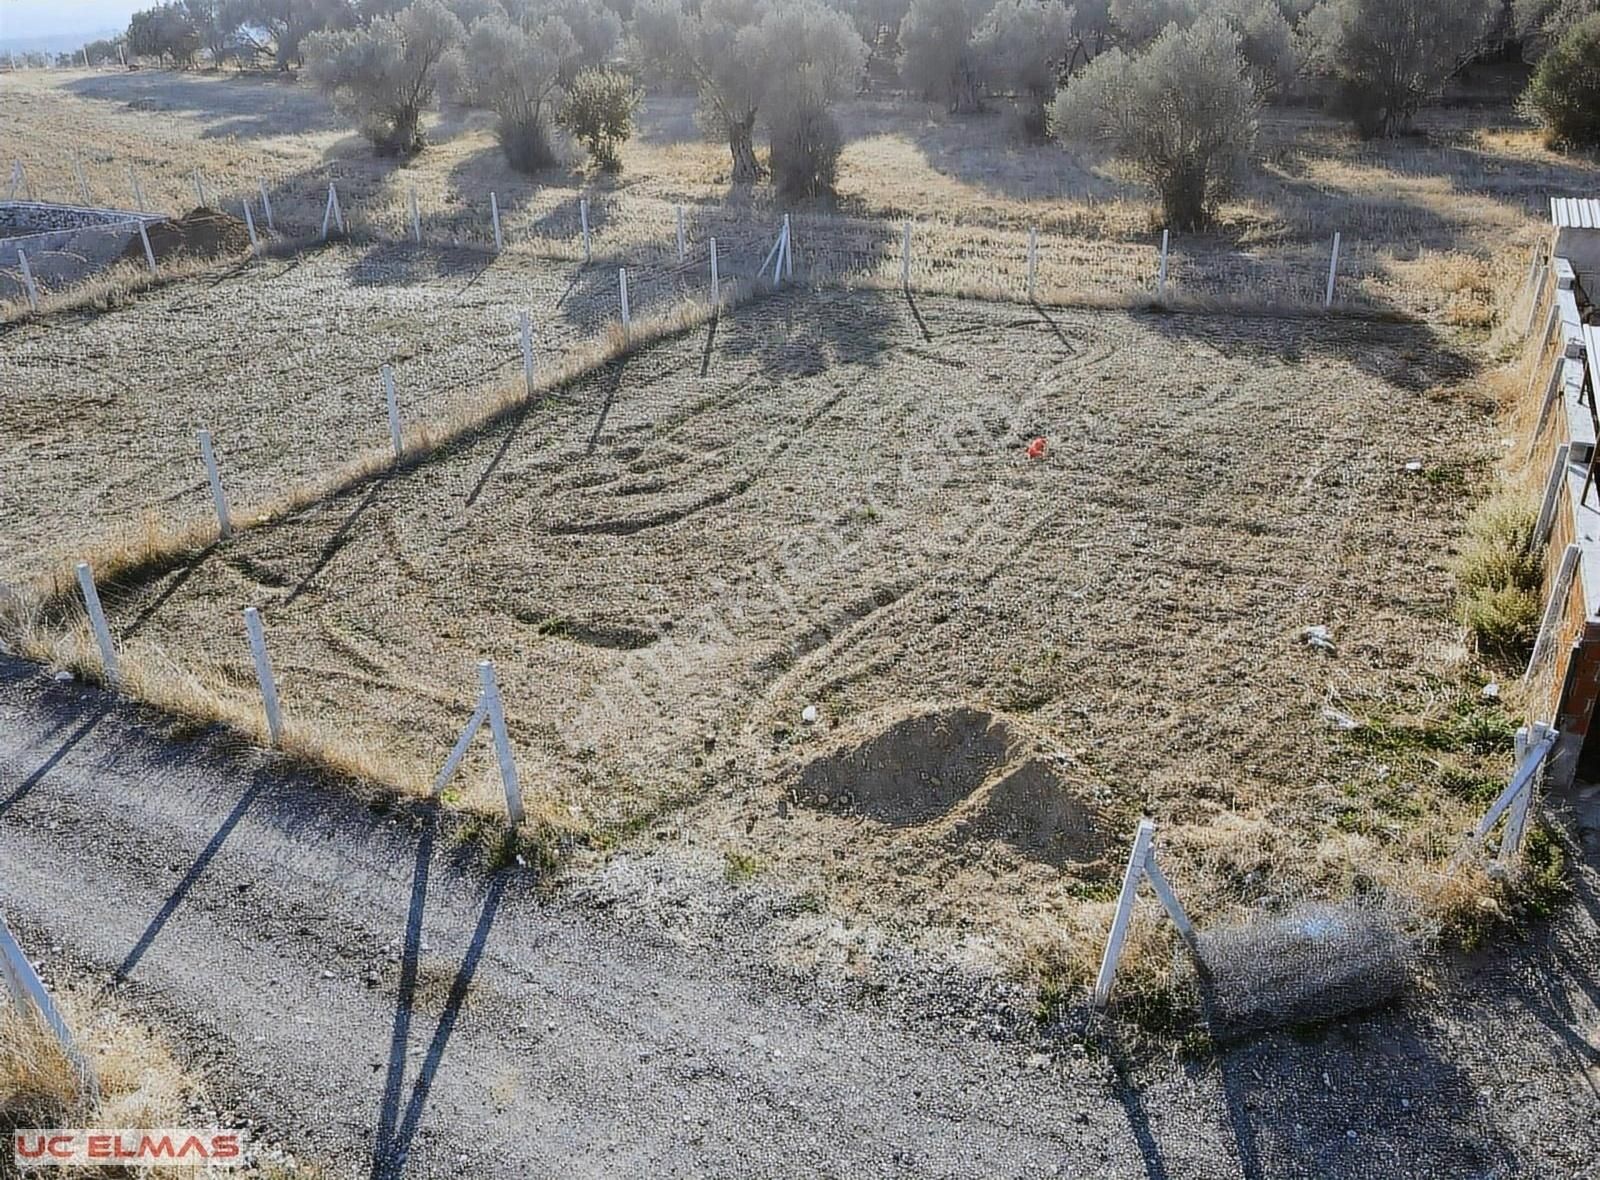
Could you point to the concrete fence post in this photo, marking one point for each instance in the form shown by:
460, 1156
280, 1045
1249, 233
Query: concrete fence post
392, 401
716, 285
905, 257
138, 190
83, 182
416, 216
250, 224
269, 684
502, 743
627, 318
333, 214
1333, 270
27, 990
149, 254
494, 215
266, 204
1161, 277
110, 668
28, 284
583, 217
199, 188
788, 247
682, 245
527, 353
219, 499
1033, 261
1141, 865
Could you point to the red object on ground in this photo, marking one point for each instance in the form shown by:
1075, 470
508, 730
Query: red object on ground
1036, 449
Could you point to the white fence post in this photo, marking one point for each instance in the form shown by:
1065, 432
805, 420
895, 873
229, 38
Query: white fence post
1533, 748
138, 190
149, 254
266, 204
1161, 278
83, 183
27, 989
199, 188
393, 402
250, 224
1333, 270
1124, 912
459, 750
788, 247
333, 214
218, 499
494, 214
627, 319
16, 180
716, 285
1033, 261
583, 215
527, 352
682, 245
502, 743
110, 668
269, 684
1517, 819
27, 280
1141, 865
416, 217
905, 257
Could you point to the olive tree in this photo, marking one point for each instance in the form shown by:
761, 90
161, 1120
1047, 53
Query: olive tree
939, 52
287, 24
1565, 92
742, 52
1387, 57
598, 112
813, 56
1023, 46
1183, 111
383, 74
515, 69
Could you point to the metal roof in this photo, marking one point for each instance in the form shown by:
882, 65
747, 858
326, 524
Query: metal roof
1575, 213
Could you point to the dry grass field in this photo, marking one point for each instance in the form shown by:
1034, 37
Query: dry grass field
824, 500
821, 498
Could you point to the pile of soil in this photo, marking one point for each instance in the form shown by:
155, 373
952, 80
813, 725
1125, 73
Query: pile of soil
966, 772
200, 233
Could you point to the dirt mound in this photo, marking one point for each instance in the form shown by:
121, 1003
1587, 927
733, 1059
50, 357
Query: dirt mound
914, 771
200, 233
971, 774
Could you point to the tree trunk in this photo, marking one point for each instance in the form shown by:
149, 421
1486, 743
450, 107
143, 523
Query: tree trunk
968, 98
746, 168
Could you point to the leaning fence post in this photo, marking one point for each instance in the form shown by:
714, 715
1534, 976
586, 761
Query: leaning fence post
583, 215
250, 224
716, 286
149, 254
682, 253
109, 666
27, 989
393, 402
627, 319
502, 743
266, 204
1333, 270
1552, 610
27, 280
199, 188
1124, 912
269, 685
1033, 261
1161, 278
218, 499
333, 213
416, 217
527, 352
494, 214
905, 257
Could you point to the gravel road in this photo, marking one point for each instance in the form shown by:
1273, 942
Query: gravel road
351, 983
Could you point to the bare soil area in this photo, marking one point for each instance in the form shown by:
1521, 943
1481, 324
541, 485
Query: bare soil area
280, 359
824, 500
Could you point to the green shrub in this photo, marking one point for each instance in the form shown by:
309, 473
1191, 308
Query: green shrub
1500, 575
598, 113
1565, 92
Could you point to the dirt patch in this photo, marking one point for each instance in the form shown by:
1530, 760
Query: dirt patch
200, 233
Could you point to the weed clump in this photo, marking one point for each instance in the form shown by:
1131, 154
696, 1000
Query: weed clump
1500, 574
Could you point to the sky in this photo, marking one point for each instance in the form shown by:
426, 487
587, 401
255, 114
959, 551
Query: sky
29, 19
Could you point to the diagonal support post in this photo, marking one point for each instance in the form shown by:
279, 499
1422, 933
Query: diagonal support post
1141, 866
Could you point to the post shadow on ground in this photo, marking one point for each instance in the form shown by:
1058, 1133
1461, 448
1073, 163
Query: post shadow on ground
400, 1115
95, 714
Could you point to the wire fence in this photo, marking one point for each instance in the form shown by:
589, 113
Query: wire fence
666, 247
